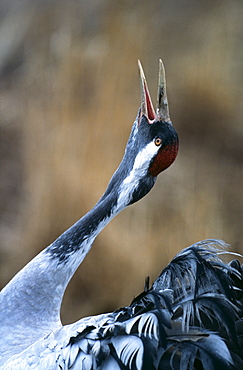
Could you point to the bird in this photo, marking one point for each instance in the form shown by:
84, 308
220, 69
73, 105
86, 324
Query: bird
190, 318
30, 303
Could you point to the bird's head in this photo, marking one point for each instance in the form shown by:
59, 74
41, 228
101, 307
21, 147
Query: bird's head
152, 146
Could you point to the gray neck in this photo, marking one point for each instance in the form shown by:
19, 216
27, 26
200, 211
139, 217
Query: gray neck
30, 303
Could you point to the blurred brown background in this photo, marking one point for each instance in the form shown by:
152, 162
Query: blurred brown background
69, 94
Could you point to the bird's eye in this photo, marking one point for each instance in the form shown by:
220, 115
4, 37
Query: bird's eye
158, 141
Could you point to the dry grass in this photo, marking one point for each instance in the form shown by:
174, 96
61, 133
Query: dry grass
69, 93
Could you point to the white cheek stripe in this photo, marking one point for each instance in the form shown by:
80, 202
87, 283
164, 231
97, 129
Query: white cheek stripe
142, 162
139, 170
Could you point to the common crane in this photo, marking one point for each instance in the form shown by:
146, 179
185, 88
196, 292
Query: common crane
191, 317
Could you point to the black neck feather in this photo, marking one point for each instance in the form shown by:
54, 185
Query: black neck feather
85, 229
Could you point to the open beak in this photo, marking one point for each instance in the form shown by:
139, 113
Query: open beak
147, 109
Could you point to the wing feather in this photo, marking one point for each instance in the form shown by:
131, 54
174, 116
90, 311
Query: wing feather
130, 351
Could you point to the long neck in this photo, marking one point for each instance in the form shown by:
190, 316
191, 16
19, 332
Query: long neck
32, 299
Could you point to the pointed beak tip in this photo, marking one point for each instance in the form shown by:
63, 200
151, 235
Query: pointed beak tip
141, 72
147, 108
161, 62
162, 108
